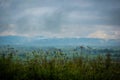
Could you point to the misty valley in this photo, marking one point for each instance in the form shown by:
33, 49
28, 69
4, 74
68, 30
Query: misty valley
59, 39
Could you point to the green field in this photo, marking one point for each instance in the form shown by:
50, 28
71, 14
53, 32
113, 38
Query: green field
57, 65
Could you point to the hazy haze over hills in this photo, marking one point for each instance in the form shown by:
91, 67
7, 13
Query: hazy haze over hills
43, 41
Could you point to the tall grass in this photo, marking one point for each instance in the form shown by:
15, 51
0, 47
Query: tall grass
58, 67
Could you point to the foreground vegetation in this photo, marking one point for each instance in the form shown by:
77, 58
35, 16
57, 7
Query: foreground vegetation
57, 66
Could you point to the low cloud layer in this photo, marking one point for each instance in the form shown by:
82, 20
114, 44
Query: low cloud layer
60, 18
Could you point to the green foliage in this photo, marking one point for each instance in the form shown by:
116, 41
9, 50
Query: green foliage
41, 67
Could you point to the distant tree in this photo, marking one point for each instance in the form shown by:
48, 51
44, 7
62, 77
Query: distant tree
108, 60
81, 47
89, 48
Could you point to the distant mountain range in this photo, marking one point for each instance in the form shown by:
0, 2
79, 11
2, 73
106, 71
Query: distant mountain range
43, 41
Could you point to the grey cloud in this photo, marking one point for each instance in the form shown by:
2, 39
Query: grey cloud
50, 22
110, 9
114, 18
53, 22
4, 27
90, 13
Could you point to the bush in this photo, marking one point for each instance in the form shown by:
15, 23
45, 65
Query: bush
59, 67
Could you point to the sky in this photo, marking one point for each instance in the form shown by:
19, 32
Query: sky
60, 18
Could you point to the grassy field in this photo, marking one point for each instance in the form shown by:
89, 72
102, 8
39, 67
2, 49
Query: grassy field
40, 66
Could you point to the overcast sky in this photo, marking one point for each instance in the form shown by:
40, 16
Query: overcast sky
60, 18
